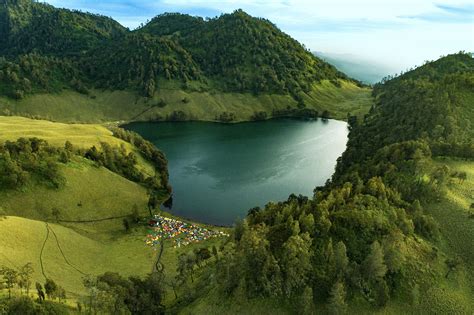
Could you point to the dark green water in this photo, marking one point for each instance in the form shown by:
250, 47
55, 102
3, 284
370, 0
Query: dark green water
219, 171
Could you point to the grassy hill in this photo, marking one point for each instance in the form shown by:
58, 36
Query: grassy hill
86, 235
99, 71
104, 106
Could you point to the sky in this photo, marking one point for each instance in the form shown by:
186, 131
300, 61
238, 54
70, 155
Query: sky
398, 34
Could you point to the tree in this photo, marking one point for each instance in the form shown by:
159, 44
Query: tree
325, 115
305, 302
337, 300
215, 252
153, 202
169, 202
61, 294
25, 306
51, 288
340, 258
25, 277
203, 254
10, 277
260, 270
381, 293
68, 146
56, 213
135, 216
374, 265
394, 258
126, 224
296, 262
39, 291
452, 264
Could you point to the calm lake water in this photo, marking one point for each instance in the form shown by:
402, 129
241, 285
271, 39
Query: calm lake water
219, 171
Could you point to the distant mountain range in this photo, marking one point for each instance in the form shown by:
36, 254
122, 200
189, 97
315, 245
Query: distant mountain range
361, 69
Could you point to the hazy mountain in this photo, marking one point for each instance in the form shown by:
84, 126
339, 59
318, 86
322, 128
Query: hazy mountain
367, 71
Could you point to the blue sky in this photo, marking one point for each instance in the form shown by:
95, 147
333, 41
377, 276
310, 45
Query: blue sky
397, 33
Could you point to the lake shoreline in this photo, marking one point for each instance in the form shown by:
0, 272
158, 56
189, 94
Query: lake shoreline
124, 123
234, 167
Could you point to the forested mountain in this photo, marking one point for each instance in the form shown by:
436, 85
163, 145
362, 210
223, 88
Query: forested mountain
28, 26
433, 103
81, 51
366, 236
250, 54
139, 61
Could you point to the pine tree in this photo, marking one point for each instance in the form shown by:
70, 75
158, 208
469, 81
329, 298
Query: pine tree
374, 265
305, 302
341, 260
337, 300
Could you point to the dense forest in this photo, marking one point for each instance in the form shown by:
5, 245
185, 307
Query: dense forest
45, 49
249, 54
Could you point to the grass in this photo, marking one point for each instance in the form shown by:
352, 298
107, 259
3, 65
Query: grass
21, 241
105, 106
457, 229
126, 255
90, 193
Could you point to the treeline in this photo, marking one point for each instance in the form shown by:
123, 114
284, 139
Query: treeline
139, 61
30, 160
108, 293
33, 73
433, 102
149, 152
30, 26
13, 280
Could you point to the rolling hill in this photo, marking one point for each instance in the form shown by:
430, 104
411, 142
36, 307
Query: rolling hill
76, 230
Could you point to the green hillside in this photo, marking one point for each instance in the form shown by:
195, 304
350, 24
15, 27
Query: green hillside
389, 234
29, 26
250, 54
247, 61
63, 207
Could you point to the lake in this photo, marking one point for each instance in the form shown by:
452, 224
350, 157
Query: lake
219, 171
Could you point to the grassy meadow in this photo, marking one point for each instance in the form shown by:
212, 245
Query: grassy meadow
105, 106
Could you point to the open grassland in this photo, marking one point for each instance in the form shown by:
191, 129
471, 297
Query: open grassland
105, 106
80, 135
67, 256
90, 193
22, 241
